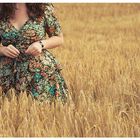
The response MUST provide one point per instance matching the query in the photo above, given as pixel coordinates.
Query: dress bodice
(33, 29)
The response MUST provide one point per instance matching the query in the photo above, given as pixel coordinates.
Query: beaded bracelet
(41, 44)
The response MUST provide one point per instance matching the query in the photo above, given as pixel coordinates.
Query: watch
(41, 44)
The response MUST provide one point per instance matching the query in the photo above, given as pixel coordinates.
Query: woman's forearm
(53, 42)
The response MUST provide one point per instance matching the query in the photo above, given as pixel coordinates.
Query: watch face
(41, 44)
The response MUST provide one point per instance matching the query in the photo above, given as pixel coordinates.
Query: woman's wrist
(43, 43)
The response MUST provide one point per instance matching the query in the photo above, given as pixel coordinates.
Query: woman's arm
(53, 42)
(52, 29)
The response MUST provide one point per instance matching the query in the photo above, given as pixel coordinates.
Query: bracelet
(41, 44)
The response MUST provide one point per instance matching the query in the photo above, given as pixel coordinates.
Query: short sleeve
(52, 25)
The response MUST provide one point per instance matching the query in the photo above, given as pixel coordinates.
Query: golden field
(101, 65)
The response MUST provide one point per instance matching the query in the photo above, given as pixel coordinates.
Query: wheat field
(101, 65)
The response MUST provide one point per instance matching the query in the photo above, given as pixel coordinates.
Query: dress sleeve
(52, 25)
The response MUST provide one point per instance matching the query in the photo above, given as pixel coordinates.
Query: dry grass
(101, 61)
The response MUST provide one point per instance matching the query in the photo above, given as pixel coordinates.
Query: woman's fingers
(35, 53)
(12, 55)
(13, 50)
(33, 49)
(29, 50)
(16, 50)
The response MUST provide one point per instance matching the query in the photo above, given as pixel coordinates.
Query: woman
(25, 62)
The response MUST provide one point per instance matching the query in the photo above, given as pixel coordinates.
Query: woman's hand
(9, 51)
(34, 49)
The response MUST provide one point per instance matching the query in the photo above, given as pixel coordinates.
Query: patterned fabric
(38, 75)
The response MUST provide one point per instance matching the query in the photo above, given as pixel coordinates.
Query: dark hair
(33, 9)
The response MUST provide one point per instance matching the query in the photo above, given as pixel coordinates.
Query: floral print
(39, 75)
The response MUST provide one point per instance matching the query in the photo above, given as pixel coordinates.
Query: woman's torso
(32, 31)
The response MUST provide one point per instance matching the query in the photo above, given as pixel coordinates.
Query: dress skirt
(39, 76)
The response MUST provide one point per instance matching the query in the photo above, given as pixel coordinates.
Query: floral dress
(39, 75)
